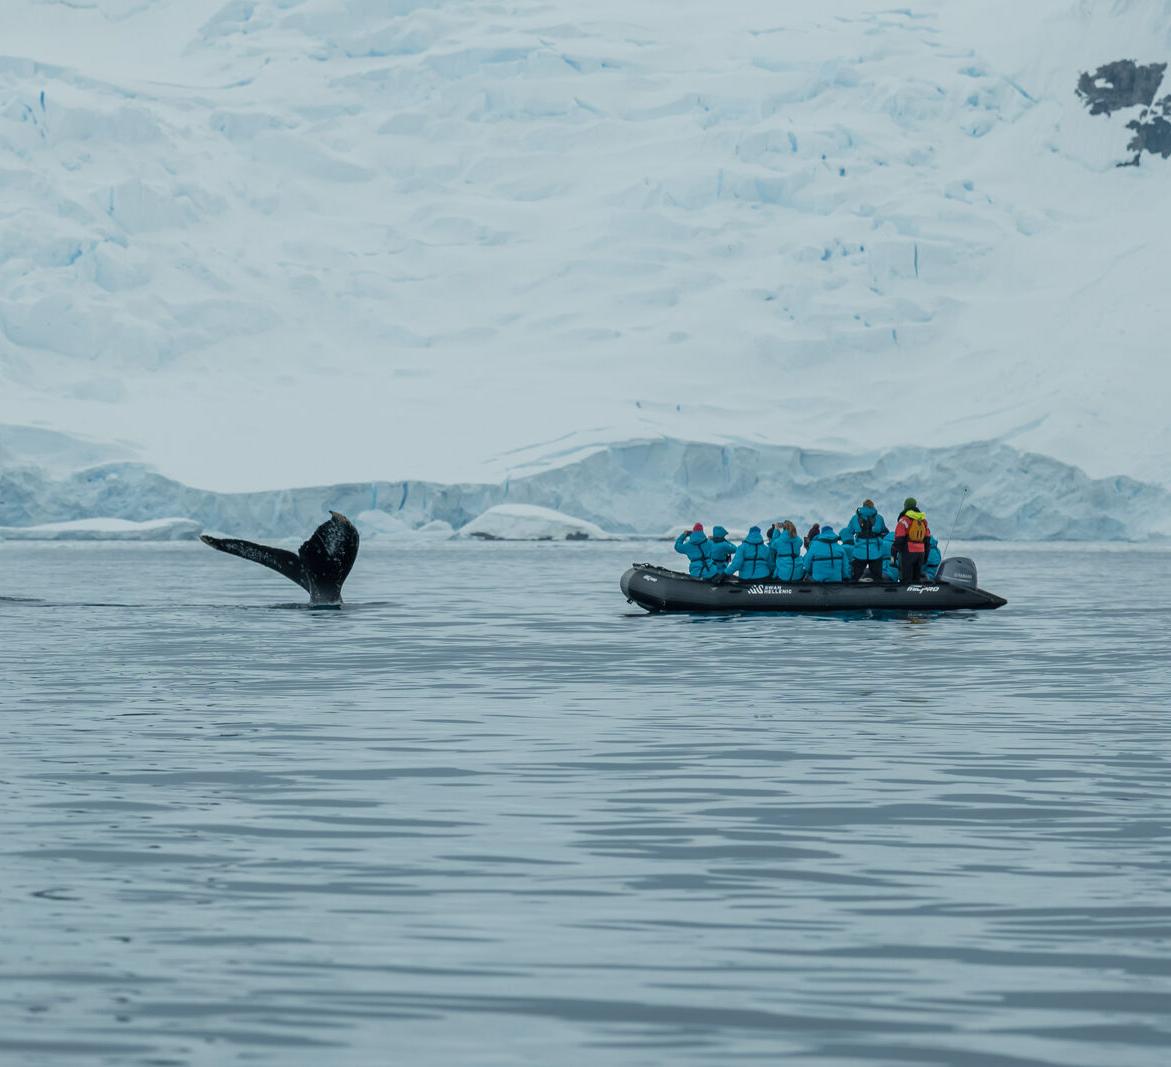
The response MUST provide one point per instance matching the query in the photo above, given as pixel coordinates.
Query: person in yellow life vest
(909, 551)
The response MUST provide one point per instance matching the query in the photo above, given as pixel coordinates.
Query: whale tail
(320, 565)
(327, 558)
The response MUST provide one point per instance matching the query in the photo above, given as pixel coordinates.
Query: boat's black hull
(659, 589)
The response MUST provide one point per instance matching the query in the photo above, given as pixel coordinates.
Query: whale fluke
(319, 566)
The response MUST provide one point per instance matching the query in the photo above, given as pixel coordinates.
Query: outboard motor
(957, 570)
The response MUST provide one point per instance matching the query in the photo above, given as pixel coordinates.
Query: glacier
(645, 487)
(446, 243)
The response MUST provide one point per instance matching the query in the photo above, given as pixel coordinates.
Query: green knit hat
(910, 504)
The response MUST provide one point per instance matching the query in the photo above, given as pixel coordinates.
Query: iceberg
(382, 526)
(528, 522)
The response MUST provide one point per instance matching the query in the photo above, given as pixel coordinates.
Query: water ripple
(514, 822)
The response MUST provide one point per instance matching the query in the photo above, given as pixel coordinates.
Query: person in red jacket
(909, 551)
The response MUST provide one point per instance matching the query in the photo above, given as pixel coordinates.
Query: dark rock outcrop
(1120, 84)
(1125, 84)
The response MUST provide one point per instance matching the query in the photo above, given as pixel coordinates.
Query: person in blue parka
(722, 549)
(826, 560)
(786, 545)
(753, 559)
(863, 534)
(934, 559)
(890, 569)
(697, 548)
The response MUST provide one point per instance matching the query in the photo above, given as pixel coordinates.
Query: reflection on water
(490, 814)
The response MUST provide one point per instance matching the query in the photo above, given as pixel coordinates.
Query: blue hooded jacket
(865, 547)
(698, 549)
(826, 560)
(890, 570)
(786, 549)
(722, 549)
(934, 559)
(753, 559)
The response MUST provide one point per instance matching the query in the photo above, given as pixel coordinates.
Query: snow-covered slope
(53, 452)
(647, 487)
(278, 242)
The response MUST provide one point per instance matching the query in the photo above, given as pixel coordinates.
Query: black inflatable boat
(659, 589)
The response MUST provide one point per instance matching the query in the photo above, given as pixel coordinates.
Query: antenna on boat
(963, 497)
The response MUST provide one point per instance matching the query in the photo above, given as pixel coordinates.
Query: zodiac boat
(660, 589)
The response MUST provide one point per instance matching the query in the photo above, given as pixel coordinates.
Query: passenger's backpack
(917, 530)
(865, 525)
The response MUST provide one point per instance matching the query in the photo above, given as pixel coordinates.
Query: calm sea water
(489, 814)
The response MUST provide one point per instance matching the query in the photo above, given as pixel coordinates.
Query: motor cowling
(957, 570)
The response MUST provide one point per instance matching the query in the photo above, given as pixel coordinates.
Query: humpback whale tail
(319, 566)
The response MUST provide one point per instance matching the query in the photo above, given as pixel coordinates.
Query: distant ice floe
(527, 522)
(105, 530)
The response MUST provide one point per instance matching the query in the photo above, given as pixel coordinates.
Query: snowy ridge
(290, 241)
(55, 453)
(647, 487)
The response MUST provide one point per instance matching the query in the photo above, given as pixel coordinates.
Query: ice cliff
(647, 487)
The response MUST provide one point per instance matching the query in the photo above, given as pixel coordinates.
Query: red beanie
(697, 527)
